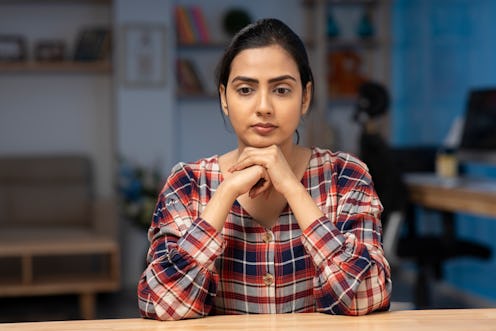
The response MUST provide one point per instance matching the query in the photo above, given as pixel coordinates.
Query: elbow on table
(173, 311)
(356, 311)
(359, 305)
(164, 305)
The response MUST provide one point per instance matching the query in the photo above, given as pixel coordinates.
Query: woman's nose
(265, 105)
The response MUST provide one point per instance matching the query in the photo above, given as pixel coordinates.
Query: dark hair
(262, 33)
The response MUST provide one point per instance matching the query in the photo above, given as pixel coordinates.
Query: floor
(123, 304)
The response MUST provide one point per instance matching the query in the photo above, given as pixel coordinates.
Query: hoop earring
(297, 137)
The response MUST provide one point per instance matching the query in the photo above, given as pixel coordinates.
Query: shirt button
(268, 279)
(267, 237)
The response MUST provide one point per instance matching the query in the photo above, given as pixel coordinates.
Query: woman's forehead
(268, 60)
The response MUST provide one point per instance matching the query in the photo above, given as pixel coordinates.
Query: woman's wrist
(219, 205)
(291, 186)
(303, 206)
(294, 192)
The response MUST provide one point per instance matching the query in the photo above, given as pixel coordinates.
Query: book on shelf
(200, 24)
(191, 26)
(93, 44)
(188, 80)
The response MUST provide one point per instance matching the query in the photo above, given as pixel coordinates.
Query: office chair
(401, 241)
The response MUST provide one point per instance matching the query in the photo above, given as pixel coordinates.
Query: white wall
(146, 115)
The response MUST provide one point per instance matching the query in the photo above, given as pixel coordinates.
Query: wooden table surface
(417, 320)
(461, 194)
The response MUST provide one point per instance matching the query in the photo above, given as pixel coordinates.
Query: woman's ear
(307, 98)
(223, 100)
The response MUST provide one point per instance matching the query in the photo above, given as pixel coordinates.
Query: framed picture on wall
(143, 55)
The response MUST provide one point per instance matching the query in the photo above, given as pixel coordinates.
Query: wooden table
(460, 194)
(415, 320)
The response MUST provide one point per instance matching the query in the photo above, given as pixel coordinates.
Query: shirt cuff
(203, 242)
(323, 240)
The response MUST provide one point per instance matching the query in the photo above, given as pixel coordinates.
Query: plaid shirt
(335, 266)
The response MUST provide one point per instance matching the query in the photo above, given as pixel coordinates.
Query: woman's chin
(262, 142)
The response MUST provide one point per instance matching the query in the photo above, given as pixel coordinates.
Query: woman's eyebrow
(253, 80)
(281, 78)
(244, 79)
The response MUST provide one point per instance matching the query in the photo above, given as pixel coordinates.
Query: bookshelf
(197, 54)
(201, 60)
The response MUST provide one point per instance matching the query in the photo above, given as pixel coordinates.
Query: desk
(464, 195)
(448, 196)
(415, 320)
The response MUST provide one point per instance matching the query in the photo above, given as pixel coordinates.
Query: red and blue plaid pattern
(335, 266)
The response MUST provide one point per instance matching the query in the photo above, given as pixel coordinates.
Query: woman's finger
(252, 156)
(247, 162)
(262, 187)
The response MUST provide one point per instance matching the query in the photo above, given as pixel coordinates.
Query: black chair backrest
(386, 175)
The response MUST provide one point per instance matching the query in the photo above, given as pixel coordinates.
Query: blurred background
(100, 98)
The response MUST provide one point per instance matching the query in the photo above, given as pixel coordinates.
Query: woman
(270, 227)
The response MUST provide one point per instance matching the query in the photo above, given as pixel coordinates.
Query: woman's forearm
(218, 207)
(302, 205)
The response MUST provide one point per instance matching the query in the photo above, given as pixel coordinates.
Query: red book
(184, 27)
(200, 24)
(187, 77)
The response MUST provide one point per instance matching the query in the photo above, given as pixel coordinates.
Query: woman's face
(264, 99)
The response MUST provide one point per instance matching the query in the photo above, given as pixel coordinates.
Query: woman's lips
(264, 128)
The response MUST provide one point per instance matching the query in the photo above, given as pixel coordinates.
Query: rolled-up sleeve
(179, 281)
(353, 277)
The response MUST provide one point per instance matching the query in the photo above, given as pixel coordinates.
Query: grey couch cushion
(45, 191)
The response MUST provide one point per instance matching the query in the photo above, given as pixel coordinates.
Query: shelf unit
(373, 52)
(97, 67)
(196, 53)
(198, 48)
(65, 66)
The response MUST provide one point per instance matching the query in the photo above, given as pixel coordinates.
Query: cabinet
(343, 56)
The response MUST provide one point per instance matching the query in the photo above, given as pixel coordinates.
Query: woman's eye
(282, 90)
(244, 90)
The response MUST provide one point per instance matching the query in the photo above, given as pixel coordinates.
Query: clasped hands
(260, 170)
